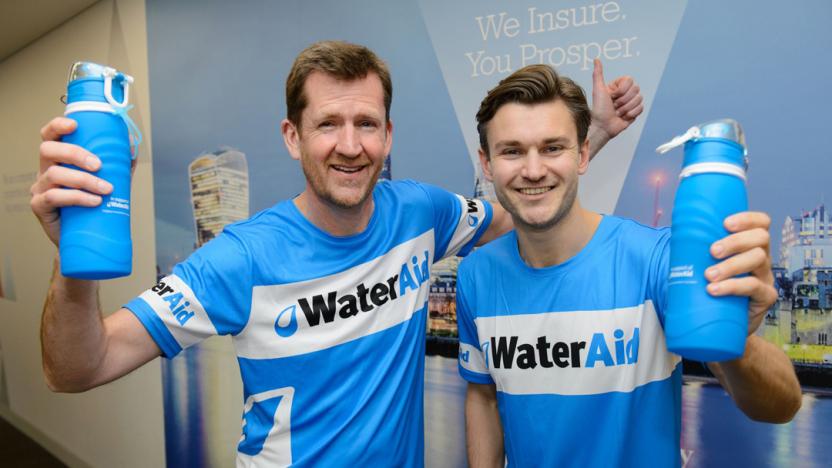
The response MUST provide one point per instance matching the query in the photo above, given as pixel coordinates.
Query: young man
(560, 321)
(324, 295)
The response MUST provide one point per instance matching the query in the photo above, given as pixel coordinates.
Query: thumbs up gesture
(615, 105)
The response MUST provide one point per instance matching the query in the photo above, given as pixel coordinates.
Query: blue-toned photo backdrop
(217, 73)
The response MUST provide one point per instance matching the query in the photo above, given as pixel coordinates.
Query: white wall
(120, 424)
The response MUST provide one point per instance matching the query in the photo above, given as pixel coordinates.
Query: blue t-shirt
(329, 331)
(577, 350)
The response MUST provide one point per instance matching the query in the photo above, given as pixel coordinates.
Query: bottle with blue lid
(95, 242)
(712, 186)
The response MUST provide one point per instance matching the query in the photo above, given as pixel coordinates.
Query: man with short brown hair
(561, 320)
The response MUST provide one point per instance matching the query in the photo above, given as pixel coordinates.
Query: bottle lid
(726, 129)
(87, 70)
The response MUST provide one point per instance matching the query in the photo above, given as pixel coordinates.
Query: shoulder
(497, 253)
(634, 234)
(274, 224)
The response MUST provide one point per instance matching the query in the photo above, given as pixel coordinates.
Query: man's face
(343, 138)
(535, 162)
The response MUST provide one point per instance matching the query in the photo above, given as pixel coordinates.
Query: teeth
(535, 191)
(347, 169)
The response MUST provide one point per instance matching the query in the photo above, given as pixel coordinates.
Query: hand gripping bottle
(697, 325)
(95, 242)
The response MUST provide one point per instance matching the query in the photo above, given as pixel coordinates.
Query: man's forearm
(762, 383)
(72, 335)
(483, 430)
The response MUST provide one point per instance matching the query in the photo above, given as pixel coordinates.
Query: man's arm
(614, 107)
(80, 349)
(762, 382)
(483, 430)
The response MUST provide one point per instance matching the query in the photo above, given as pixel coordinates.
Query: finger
(747, 220)
(626, 96)
(47, 202)
(630, 116)
(56, 128)
(620, 86)
(747, 286)
(626, 108)
(54, 152)
(60, 176)
(598, 77)
(740, 242)
(755, 260)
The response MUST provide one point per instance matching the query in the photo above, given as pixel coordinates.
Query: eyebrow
(512, 143)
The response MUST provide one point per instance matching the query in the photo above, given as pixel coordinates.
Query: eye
(553, 149)
(326, 124)
(368, 124)
(510, 152)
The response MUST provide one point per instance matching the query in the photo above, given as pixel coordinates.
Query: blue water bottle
(95, 242)
(699, 326)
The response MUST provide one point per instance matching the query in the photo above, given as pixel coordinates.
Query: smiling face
(534, 161)
(342, 141)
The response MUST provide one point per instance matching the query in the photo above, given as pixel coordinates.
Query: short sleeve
(458, 221)
(208, 294)
(472, 361)
(659, 273)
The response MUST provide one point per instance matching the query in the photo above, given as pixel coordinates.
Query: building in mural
(386, 170)
(442, 299)
(801, 320)
(219, 191)
(219, 183)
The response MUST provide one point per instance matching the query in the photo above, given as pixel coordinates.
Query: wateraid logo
(286, 324)
(472, 208)
(507, 353)
(327, 307)
(465, 356)
(174, 298)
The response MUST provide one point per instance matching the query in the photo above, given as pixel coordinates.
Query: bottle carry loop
(692, 133)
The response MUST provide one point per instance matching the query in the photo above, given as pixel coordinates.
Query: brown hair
(534, 84)
(339, 59)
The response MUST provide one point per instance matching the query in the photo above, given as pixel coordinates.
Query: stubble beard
(319, 186)
(565, 207)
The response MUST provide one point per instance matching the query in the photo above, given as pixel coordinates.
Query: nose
(349, 142)
(533, 167)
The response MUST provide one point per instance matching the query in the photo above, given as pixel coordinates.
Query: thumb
(598, 85)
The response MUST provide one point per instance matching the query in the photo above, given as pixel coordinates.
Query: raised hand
(615, 105)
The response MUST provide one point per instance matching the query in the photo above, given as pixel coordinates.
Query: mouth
(535, 190)
(347, 169)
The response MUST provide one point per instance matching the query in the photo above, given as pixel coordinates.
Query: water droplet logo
(472, 220)
(286, 323)
(484, 347)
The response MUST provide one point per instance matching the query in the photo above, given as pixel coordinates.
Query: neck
(335, 220)
(557, 244)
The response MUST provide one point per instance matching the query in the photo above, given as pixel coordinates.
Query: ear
(291, 138)
(583, 157)
(388, 137)
(485, 162)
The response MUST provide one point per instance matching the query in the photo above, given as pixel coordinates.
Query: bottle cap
(81, 70)
(726, 129)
